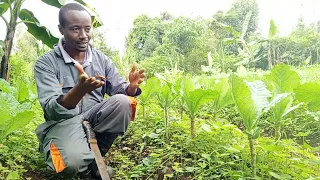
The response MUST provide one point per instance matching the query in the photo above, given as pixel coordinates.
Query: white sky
(118, 15)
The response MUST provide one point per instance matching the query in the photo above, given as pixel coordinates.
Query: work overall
(62, 138)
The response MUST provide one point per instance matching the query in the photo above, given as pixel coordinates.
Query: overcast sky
(118, 15)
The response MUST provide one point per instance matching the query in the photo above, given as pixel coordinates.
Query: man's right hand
(86, 83)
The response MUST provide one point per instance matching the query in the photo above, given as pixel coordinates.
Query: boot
(95, 171)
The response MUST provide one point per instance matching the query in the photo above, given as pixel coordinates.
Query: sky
(118, 15)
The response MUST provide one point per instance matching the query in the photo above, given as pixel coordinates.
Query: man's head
(75, 26)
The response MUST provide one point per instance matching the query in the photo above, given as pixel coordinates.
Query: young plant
(165, 97)
(282, 80)
(250, 99)
(149, 88)
(221, 87)
(14, 115)
(194, 99)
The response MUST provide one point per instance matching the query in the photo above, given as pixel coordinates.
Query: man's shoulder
(101, 55)
(48, 55)
(46, 58)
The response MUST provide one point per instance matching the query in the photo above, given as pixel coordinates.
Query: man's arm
(85, 85)
(55, 104)
(50, 91)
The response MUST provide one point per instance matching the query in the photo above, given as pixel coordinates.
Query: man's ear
(60, 29)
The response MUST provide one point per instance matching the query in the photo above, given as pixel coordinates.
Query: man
(68, 96)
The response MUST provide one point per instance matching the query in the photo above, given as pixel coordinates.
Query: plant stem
(277, 133)
(252, 143)
(144, 111)
(166, 117)
(193, 128)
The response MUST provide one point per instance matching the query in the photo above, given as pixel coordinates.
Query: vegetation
(220, 101)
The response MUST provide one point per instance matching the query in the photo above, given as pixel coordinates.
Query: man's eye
(75, 29)
(88, 29)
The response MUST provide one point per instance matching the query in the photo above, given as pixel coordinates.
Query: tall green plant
(282, 80)
(250, 99)
(149, 88)
(165, 98)
(194, 99)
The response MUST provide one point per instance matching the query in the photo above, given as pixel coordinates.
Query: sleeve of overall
(116, 84)
(49, 90)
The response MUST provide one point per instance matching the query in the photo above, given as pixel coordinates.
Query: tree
(38, 31)
(145, 36)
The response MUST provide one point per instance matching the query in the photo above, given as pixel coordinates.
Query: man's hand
(135, 78)
(86, 83)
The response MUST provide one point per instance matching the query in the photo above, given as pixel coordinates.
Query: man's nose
(83, 34)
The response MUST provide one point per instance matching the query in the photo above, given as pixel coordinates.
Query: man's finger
(141, 71)
(134, 67)
(142, 75)
(79, 67)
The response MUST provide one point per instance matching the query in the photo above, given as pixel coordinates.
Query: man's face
(77, 30)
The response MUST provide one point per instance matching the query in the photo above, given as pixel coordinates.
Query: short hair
(69, 7)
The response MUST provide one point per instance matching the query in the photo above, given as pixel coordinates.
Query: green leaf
(96, 21)
(4, 6)
(283, 79)
(250, 98)
(223, 97)
(149, 88)
(165, 96)
(22, 92)
(275, 175)
(13, 175)
(4, 110)
(38, 31)
(195, 99)
(273, 29)
(19, 120)
(245, 25)
(5, 87)
(187, 85)
(310, 94)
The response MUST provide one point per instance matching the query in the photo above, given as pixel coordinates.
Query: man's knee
(122, 101)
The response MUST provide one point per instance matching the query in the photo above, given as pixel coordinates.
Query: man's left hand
(136, 78)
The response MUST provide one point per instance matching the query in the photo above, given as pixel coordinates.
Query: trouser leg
(66, 148)
(65, 145)
(109, 119)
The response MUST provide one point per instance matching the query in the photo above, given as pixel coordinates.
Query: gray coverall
(62, 138)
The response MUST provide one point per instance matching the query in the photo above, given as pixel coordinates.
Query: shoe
(95, 171)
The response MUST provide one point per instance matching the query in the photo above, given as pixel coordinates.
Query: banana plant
(149, 89)
(194, 99)
(38, 31)
(282, 80)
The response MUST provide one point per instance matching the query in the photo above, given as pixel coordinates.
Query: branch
(5, 21)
